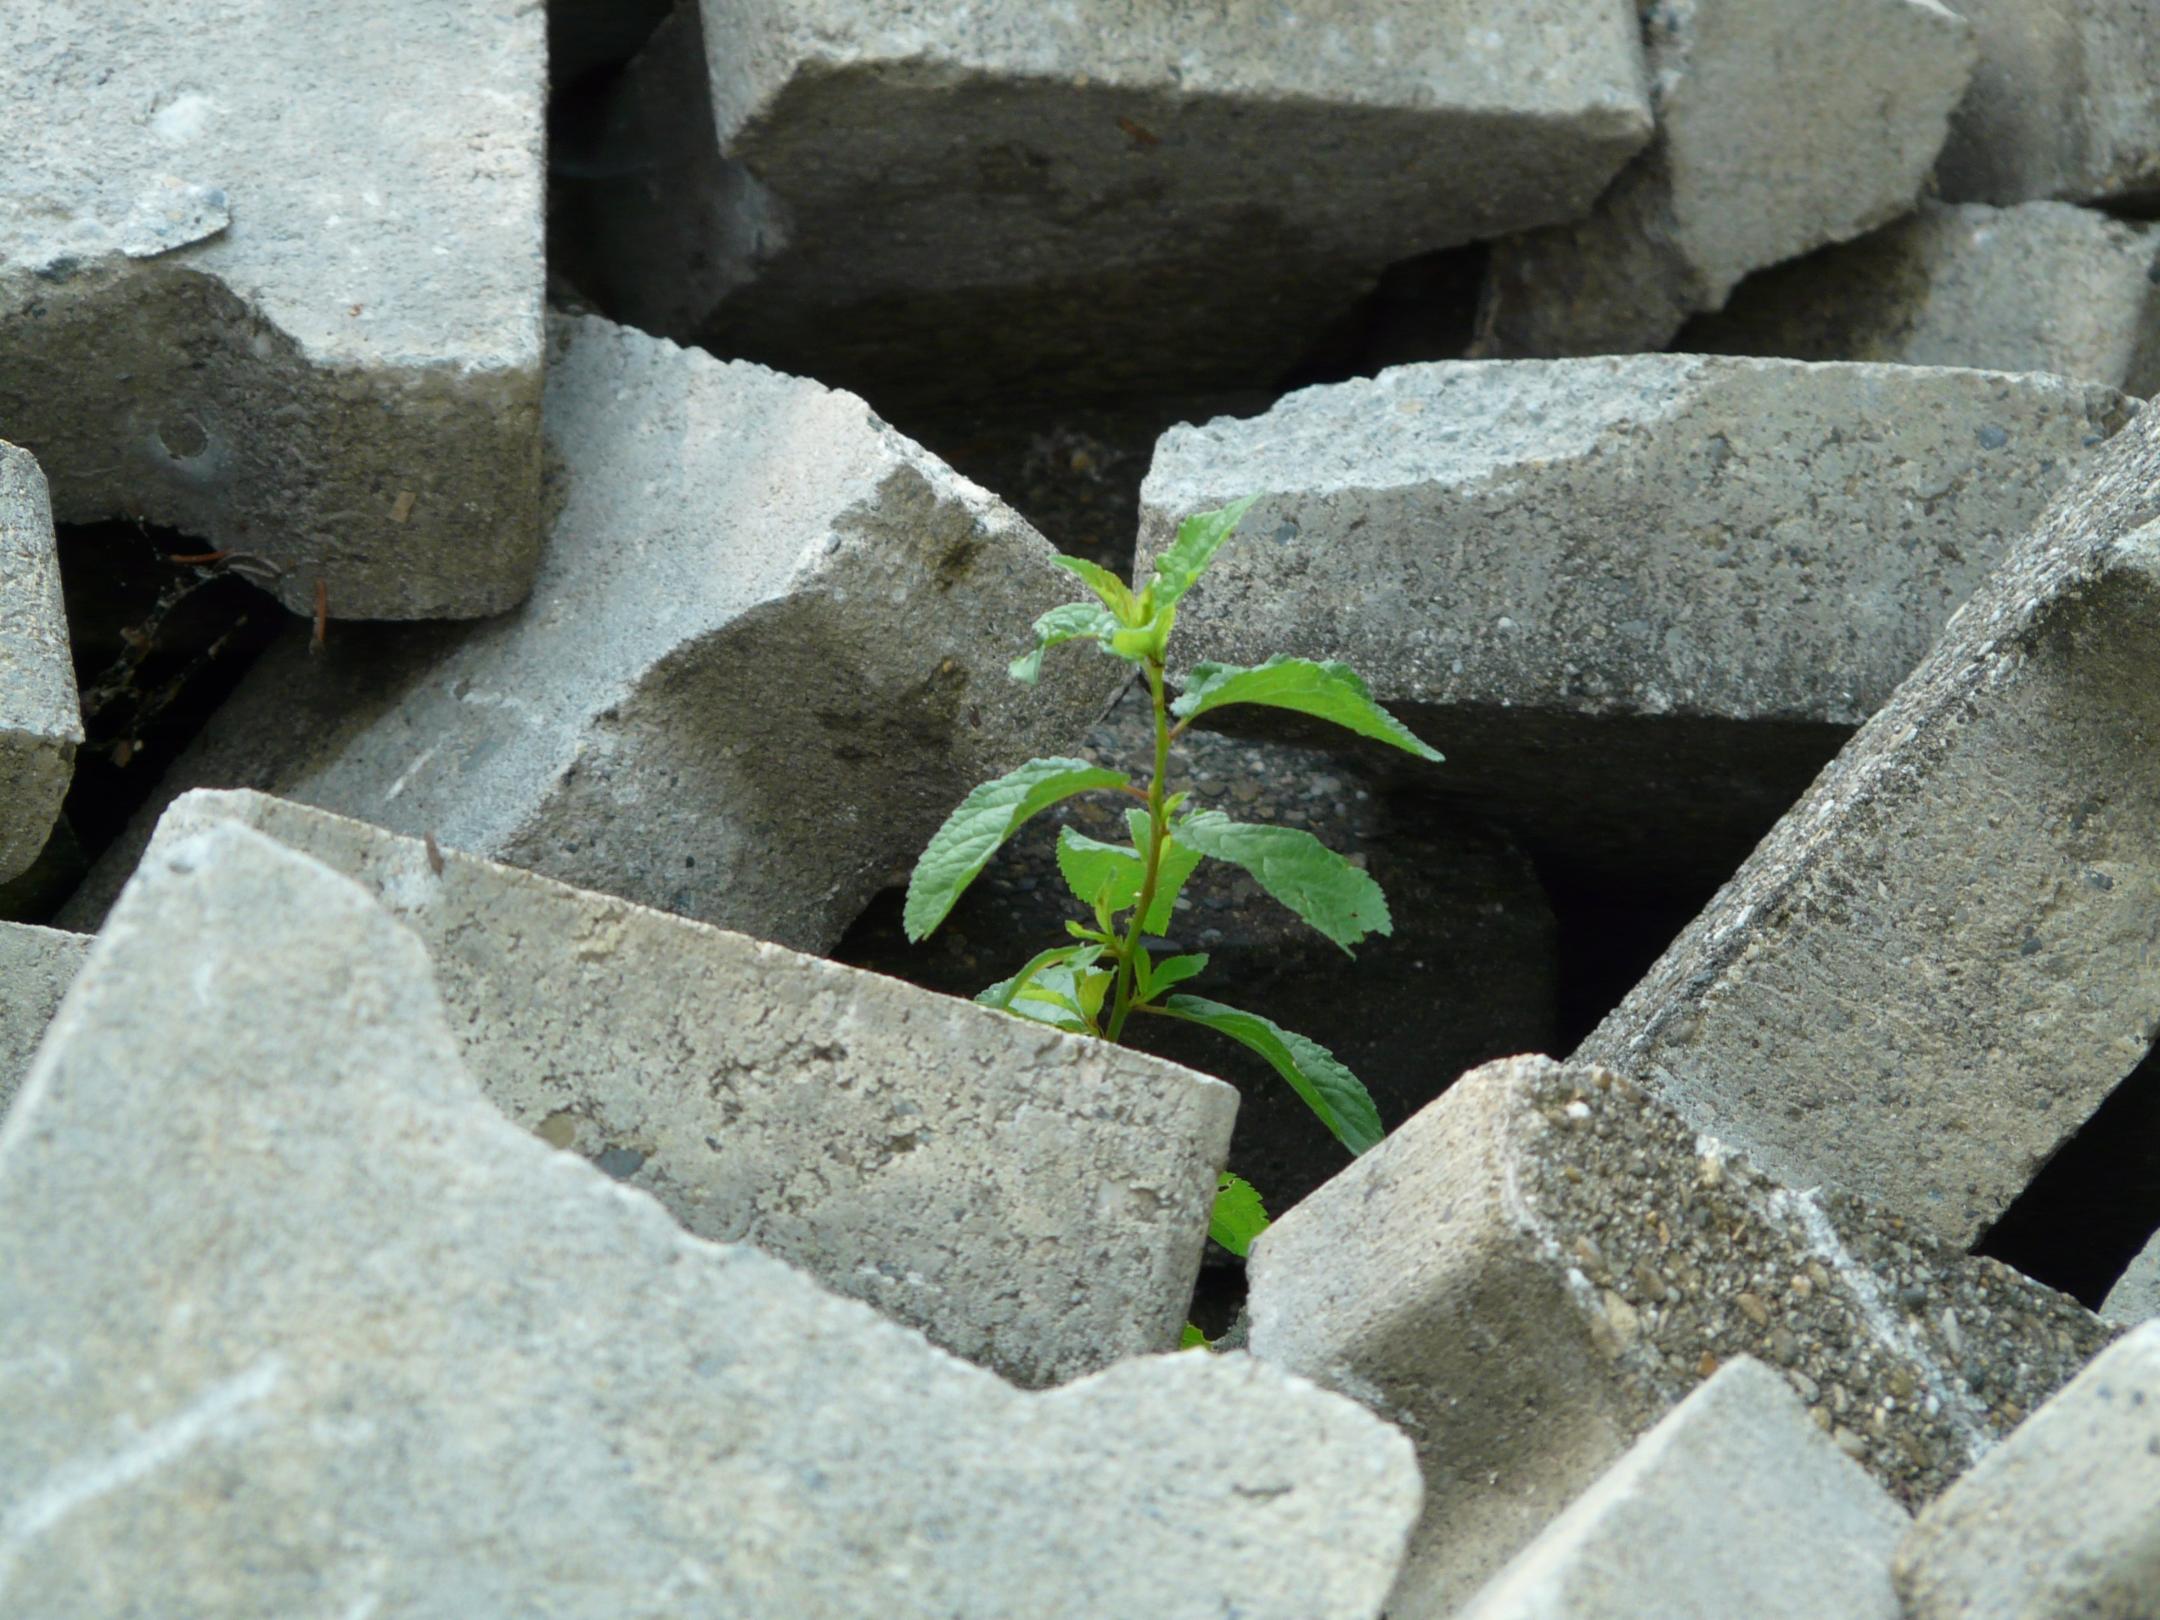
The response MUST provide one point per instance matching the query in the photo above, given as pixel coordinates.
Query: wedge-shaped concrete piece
(1094, 196)
(1735, 1504)
(272, 276)
(1942, 959)
(40, 715)
(1780, 128)
(1637, 602)
(2062, 104)
(2063, 1518)
(1536, 1268)
(765, 657)
(1030, 1201)
(2044, 286)
(2135, 1297)
(36, 967)
(376, 1350)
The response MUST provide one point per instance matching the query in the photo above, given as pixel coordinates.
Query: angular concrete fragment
(272, 276)
(1943, 958)
(1030, 1201)
(2043, 286)
(1092, 196)
(40, 714)
(2063, 1518)
(36, 967)
(1780, 128)
(2065, 103)
(379, 1351)
(1735, 1504)
(765, 657)
(2135, 1297)
(1637, 602)
(1528, 1275)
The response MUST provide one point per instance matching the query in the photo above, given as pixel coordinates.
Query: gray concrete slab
(40, 713)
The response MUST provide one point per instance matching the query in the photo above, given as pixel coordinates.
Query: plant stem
(1158, 834)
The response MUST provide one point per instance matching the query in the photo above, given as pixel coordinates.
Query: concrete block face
(1689, 575)
(40, 714)
(2135, 1297)
(1940, 961)
(2042, 286)
(36, 967)
(765, 657)
(1734, 1504)
(1030, 1201)
(1779, 128)
(1532, 1272)
(266, 280)
(2061, 104)
(2063, 1518)
(1043, 149)
(457, 1373)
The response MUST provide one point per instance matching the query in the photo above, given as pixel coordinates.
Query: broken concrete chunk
(2044, 286)
(914, 195)
(2063, 1518)
(2135, 1297)
(1735, 1504)
(765, 657)
(2063, 104)
(1030, 1201)
(40, 715)
(1941, 960)
(1780, 128)
(1637, 602)
(425, 1366)
(274, 278)
(36, 967)
(1533, 1271)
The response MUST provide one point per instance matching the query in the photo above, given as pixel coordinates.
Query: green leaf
(1337, 898)
(1173, 970)
(1115, 594)
(1187, 557)
(1072, 621)
(1238, 1216)
(1000, 995)
(1329, 1089)
(959, 850)
(1179, 862)
(1327, 691)
(1192, 1339)
(1110, 874)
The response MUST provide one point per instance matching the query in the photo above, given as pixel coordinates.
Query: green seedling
(1111, 970)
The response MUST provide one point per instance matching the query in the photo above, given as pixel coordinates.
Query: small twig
(321, 637)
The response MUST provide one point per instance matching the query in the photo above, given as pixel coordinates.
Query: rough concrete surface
(271, 274)
(1528, 1275)
(1636, 601)
(2043, 286)
(2063, 1518)
(1943, 958)
(391, 1355)
(1735, 1504)
(36, 967)
(1030, 1201)
(40, 717)
(1779, 128)
(2136, 1295)
(765, 657)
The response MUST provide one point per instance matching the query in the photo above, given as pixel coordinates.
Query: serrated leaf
(1192, 1339)
(1000, 995)
(1110, 873)
(1329, 1089)
(1187, 557)
(1337, 898)
(1179, 862)
(1114, 593)
(959, 850)
(1070, 621)
(1238, 1216)
(1174, 970)
(1325, 690)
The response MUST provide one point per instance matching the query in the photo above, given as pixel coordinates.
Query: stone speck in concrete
(40, 718)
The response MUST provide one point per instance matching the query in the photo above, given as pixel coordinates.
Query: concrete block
(272, 276)
(1735, 1504)
(2061, 105)
(40, 714)
(36, 967)
(1941, 960)
(765, 656)
(376, 1350)
(1637, 602)
(2063, 1518)
(1532, 1272)
(2135, 1297)
(1030, 1201)
(1779, 128)
(936, 199)
(2043, 286)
